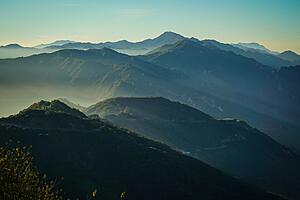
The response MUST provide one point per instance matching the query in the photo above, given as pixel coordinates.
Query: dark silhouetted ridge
(91, 154)
(230, 145)
(290, 56)
(12, 46)
(54, 106)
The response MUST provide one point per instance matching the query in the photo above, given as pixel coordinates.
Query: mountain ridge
(251, 50)
(290, 56)
(105, 158)
(218, 82)
(230, 145)
(255, 46)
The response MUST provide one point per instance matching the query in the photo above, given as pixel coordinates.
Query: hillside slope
(217, 82)
(236, 86)
(92, 154)
(229, 145)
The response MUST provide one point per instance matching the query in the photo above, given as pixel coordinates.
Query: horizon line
(140, 40)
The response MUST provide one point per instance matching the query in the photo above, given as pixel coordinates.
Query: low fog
(16, 98)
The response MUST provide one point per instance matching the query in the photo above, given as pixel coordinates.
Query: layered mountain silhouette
(146, 45)
(290, 56)
(239, 86)
(83, 75)
(92, 154)
(259, 89)
(12, 46)
(16, 50)
(225, 68)
(218, 82)
(250, 50)
(122, 46)
(55, 43)
(253, 46)
(89, 74)
(229, 145)
(263, 57)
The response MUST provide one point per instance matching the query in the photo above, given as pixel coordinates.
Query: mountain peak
(251, 44)
(170, 35)
(183, 44)
(147, 107)
(12, 46)
(55, 43)
(289, 55)
(46, 105)
(54, 106)
(289, 52)
(254, 46)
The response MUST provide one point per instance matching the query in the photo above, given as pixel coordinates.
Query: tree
(19, 180)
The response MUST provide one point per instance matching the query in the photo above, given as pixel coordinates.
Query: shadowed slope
(229, 145)
(113, 160)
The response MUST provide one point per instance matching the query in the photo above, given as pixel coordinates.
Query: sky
(273, 23)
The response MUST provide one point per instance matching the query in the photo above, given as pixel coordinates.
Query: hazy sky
(274, 23)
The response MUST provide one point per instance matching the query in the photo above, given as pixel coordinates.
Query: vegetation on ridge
(20, 180)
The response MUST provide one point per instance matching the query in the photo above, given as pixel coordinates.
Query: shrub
(19, 180)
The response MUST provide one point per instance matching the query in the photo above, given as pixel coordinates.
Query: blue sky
(274, 23)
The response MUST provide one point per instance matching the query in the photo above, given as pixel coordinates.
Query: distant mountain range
(250, 50)
(253, 46)
(263, 57)
(16, 50)
(123, 46)
(220, 83)
(253, 89)
(92, 154)
(217, 93)
(290, 55)
(229, 145)
(55, 43)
